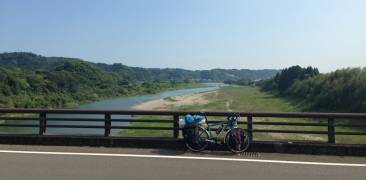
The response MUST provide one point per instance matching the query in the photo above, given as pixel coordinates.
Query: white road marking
(185, 157)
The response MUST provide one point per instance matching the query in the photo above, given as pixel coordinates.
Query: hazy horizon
(194, 35)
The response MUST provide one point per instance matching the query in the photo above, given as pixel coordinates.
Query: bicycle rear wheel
(233, 144)
(199, 141)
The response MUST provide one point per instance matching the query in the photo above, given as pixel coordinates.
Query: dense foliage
(241, 82)
(342, 91)
(71, 83)
(287, 77)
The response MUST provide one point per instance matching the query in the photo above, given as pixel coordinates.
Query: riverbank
(230, 98)
(120, 103)
(174, 102)
(243, 99)
(65, 99)
(224, 99)
(162, 88)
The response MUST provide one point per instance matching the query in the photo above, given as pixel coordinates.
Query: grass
(188, 85)
(148, 133)
(225, 99)
(250, 99)
(247, 99)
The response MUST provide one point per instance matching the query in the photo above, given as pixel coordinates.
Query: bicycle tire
(244, 145)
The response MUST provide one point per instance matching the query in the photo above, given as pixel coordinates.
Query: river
(122, 103)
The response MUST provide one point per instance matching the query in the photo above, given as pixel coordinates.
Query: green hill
(32, 61)
(30, 80)
(70, 83)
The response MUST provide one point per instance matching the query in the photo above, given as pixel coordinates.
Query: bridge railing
(327, 120)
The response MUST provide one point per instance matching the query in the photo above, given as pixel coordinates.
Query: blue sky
(191, 34)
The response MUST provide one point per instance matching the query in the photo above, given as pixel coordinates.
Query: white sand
(175, 101)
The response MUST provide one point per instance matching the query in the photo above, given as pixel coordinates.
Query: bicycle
(203, 136)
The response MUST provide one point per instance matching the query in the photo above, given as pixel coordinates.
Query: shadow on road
(211, 151)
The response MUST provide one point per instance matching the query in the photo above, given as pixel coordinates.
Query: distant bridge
(328, 121)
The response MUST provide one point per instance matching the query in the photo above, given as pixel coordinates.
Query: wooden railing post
(331, 131)
(107, 124)
(250, 128)
(42, 123)
(176, 125)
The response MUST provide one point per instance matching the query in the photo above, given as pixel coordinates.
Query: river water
(122, 103)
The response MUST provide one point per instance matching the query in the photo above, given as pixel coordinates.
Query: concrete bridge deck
(89, 163)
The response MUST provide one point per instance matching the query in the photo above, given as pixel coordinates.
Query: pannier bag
(191, 125)
(190, 133)
(237, 137)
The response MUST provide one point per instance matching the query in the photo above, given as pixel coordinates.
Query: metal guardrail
(330, 120)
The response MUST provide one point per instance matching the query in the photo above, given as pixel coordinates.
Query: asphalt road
(23, 162)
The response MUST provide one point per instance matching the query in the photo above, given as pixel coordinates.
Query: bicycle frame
(225, 129)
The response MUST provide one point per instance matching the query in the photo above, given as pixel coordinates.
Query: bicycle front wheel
(199, 141)
(237, 144)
